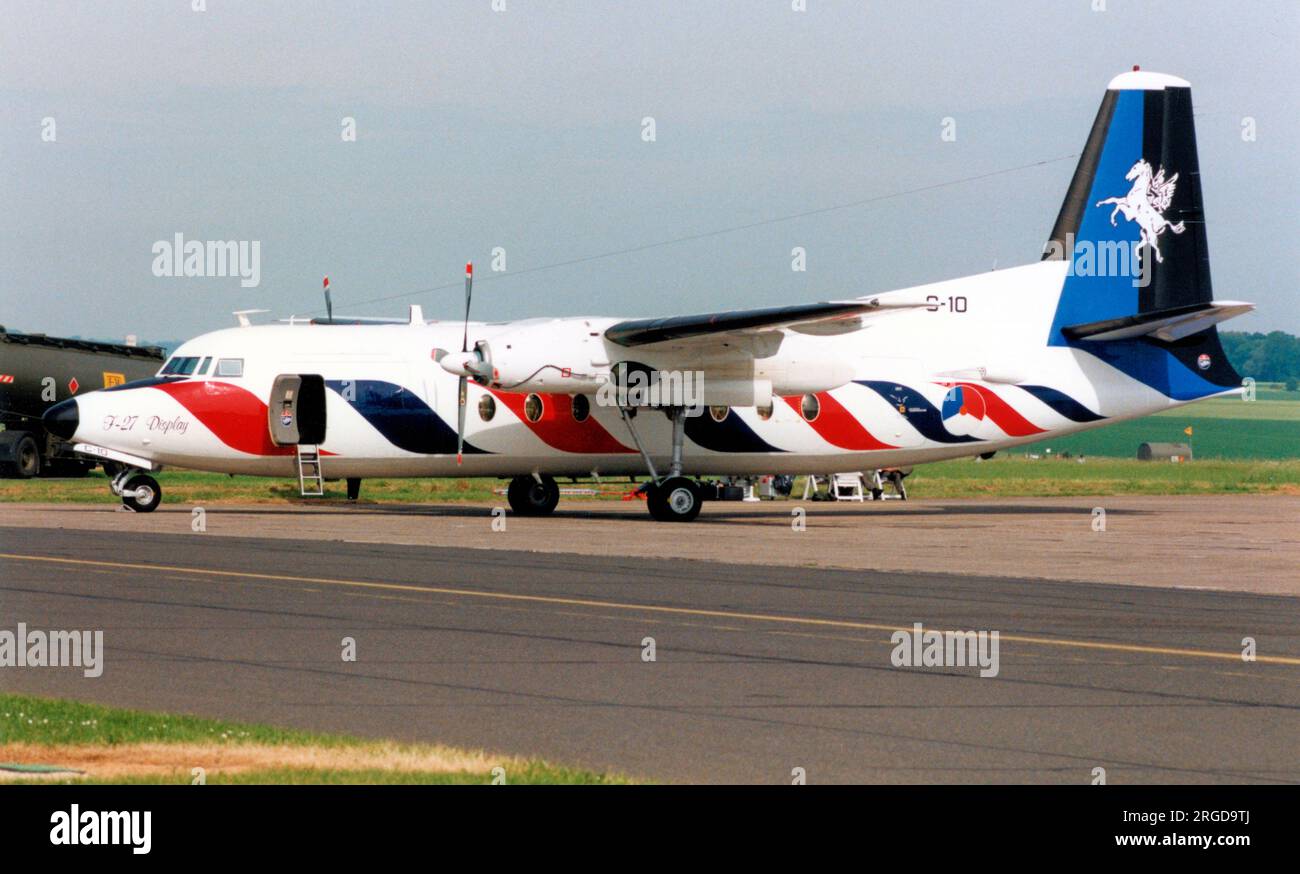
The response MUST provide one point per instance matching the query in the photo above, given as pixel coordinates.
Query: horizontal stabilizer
(1168, 325)
(818, 318)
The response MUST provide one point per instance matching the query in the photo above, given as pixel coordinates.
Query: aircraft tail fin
(1133, 227)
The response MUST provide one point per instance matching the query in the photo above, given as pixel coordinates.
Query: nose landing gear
(139, 492)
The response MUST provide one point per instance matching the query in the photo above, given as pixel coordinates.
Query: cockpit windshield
(180, 366)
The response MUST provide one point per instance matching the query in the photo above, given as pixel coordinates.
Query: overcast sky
(523, 129)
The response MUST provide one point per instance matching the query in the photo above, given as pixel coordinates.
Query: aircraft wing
(830, 317)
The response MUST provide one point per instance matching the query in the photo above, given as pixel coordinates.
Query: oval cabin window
(581, 408)
(533, 408)
(810, 407)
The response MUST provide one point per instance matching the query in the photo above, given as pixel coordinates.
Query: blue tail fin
(1133, 227)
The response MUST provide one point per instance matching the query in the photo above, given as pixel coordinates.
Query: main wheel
(676, 499)
(528, 497)
(142, 493)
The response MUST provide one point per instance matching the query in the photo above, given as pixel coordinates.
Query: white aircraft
(1117, 321)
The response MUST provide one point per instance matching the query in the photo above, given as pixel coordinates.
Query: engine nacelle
(571, 356)
(552, 356)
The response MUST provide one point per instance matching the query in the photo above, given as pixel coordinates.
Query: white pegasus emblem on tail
(1146, 200)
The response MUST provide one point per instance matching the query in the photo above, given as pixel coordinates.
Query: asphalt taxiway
(761, 666)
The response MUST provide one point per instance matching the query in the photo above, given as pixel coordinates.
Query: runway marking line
(645, 608)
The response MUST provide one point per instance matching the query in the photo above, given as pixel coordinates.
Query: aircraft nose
(62, 419)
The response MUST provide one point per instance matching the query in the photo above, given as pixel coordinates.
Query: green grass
(1266, 428)
(1018, 476)
(1221, 437)
(536, 775)
(1280, 406)
(1227, 428)
(26, 719)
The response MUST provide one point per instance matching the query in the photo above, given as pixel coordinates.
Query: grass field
(1266, 428)
(112, 745)
(1018, 476)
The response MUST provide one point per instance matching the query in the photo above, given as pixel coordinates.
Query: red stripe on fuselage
(235, 415)
(837, 426)
(559, 430)
(1002, 413)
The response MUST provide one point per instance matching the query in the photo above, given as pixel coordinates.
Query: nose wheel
(140, 492)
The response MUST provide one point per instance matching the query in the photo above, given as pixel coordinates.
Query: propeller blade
(469, 287)
(463, 394)
(329, 304)
(460, 418)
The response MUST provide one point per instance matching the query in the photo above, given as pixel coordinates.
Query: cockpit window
(203, 368)
(230, 367)
(180, 366)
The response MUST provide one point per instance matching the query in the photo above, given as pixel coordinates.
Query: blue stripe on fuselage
(729, 435)
(1063, 403)
(400, 415)
(919, 413)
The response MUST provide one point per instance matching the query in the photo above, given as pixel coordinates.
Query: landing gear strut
(675, 498)
(139, 491)
(533, 496)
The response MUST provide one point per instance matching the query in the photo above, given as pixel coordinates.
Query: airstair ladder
(310, 481)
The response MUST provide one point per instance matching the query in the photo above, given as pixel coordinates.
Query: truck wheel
(27, 458)
(142, 494)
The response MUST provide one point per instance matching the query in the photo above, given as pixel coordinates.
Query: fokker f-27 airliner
(957, 368)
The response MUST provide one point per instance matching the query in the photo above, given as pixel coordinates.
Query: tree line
(1271, 357)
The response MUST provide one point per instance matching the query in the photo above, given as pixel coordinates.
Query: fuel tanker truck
(36, 372)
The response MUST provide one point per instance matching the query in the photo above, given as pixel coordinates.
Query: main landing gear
(533, 495)
(674, 498)
(139, 491)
